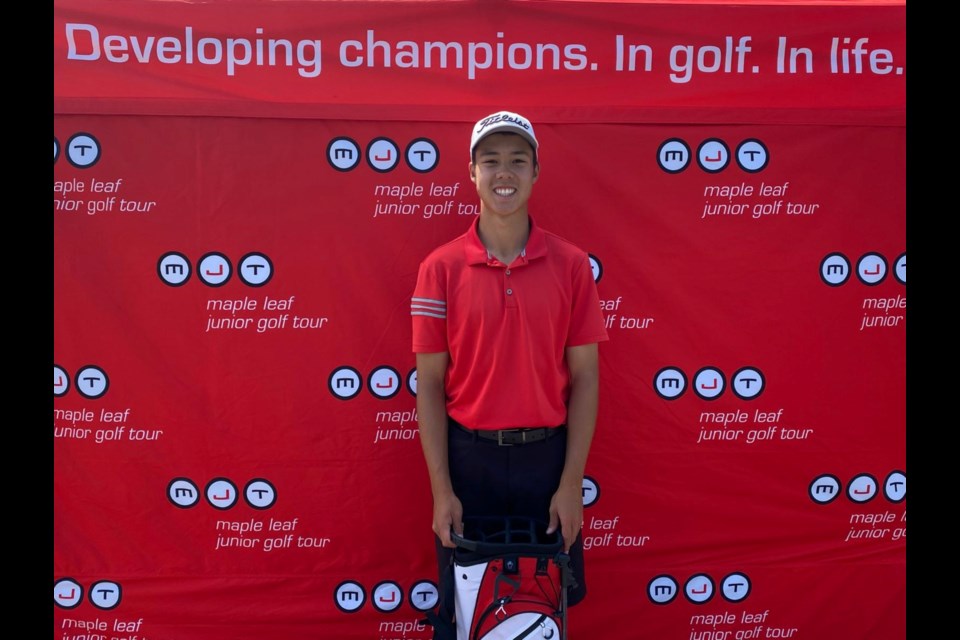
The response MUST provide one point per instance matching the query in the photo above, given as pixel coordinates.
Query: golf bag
(509, 581)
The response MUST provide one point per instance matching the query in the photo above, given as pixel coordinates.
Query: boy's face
(504, 172)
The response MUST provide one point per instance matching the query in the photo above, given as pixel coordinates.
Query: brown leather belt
(513, 437)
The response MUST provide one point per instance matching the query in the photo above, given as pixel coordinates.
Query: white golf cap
(503, 122)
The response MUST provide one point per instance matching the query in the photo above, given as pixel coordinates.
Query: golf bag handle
(508, 535)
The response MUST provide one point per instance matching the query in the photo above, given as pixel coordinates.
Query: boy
(506, 322)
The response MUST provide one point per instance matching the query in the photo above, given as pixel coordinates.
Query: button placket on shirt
(508, 288)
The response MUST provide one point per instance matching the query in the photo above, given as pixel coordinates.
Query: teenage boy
(506, 322)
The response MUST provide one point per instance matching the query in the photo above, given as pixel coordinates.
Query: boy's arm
(432, 416)
(566, 507)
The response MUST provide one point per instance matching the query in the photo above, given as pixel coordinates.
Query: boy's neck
(504, 238)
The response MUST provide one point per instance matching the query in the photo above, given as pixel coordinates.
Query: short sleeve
(428, 310)
(586, 317)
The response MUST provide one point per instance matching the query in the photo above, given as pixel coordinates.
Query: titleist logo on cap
(503, 122)
(502, 117)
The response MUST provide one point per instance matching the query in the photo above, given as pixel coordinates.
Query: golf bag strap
(444, 627)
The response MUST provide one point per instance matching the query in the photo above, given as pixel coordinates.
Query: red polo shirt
(506, 327)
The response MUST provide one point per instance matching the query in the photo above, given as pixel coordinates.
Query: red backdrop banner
(243, 192)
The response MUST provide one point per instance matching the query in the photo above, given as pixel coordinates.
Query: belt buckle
(500, 442)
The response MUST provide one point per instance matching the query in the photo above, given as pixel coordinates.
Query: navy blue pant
(491, 480)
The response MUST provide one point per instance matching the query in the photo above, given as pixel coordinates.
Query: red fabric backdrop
(236, 240)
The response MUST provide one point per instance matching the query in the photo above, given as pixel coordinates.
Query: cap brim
(507, 129)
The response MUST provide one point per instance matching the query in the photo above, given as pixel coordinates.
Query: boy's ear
(472, 168)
